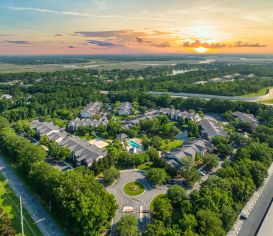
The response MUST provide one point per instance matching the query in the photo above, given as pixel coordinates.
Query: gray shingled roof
(82, 149)
(125, 106)
(190, 148)
(249, 118)
(87, 122)
(93, 108)
(211, 128)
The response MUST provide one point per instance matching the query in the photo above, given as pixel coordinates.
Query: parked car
(243, 216)
(171, 182)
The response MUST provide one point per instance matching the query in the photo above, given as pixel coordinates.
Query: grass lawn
(167, 146)
(128, 188)
(10, 203)
(153, 201)
(269, 102)
(260, 92)
(145, 166)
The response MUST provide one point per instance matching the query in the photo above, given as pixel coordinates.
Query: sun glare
(201, 49)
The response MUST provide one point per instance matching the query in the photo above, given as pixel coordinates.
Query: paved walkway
(255, 208)
(43, 220)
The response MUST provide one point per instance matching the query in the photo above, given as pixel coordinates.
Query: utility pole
(49, 207)
(22, 218)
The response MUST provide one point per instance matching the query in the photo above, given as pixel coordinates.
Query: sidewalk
(250, 204)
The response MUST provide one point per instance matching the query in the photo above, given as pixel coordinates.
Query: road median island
(133, 188)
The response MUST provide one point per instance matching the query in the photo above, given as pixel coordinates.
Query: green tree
(188, 162)
(156, 142)
(6, 228)
(187, 222)
(224, 149)
(153, 153)
(4, 122)
(127, 226)
(64, 153)
(176, 194)
(110, 175)
(157, 228)
(192, 175)
(209, 223)
(44, 140)
(54, 149)
(162, 210)
(113, 128)
(157, 176)
(193, 129)
(21, 126)
(211, 161)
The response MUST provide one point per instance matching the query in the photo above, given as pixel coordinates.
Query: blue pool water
(183, 135)
(134, 144)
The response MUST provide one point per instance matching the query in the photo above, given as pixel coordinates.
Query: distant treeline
(59, 59)
(150, 79)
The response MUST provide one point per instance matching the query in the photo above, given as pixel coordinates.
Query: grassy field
(268, 102)
(128, 189)
(10, 203)
(145, 166)
(170, 144)
(260, 92)
(93, 64)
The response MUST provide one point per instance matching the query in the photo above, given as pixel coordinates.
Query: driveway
(43, 220)
(138, 203)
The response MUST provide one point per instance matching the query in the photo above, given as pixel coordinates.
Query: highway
(251, 225)
(207, 96)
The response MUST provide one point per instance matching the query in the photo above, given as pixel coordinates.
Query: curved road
(43, 220)
(137, 202)
(207, 96)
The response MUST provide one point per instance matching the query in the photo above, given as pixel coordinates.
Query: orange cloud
(238, 44)
(197, 44)
(241, 44)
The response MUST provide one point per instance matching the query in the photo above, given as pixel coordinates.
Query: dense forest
(148, 79)
(66, 191)
(59, 96)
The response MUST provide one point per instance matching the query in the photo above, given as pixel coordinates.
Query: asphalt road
(136, 202)
(43, 220)
(251, 225)
(207, 96)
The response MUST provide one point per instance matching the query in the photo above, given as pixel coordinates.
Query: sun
(201, 49)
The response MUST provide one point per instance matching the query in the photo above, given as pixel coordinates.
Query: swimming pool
(183, 135)
(134, 144)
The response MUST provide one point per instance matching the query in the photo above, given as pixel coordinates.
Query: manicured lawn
(167, 146)
(10, 203)
(157, 197)
(260, 92)
(145, 166)
(128, 188)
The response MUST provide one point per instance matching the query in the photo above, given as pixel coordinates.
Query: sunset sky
(142, 26)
